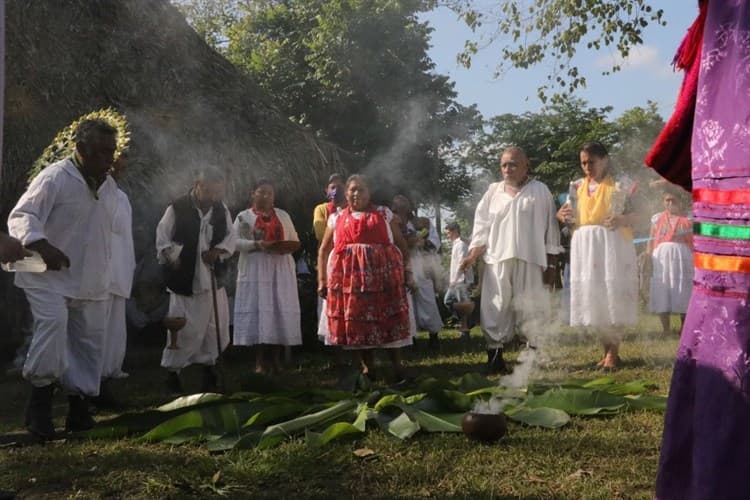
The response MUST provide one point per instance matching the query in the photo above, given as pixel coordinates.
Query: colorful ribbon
(722, 231)
(722, 263)
(733, 197)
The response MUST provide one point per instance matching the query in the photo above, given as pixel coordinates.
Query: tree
(531, 31)
(358, 73)
(552, 139)
(636, 129)
(212, 19)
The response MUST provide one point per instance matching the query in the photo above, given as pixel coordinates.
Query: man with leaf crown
(65, 216)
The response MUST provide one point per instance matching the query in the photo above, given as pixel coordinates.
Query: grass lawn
(607, 457)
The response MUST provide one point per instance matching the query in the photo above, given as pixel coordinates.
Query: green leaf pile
(249, 420)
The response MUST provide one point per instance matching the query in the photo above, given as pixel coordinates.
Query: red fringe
(670, 154)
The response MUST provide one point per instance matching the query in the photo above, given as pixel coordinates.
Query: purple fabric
(727, 214)
(706, 445)
(720, 246)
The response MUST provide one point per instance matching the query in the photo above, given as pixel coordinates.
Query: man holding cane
(193, 238)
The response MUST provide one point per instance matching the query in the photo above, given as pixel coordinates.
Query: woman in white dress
(671, 249)
(603, 270)
(266, 306)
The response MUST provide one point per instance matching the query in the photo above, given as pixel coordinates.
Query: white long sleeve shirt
(459, 251)
(59, 206)
(523, 227)
(164, 244)
(122, 266)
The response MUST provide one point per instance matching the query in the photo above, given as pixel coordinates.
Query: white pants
(426, 309)
(116, 339)
(512, 290)
(67, 343)
(196, 342)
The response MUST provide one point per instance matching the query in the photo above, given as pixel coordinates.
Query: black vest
(187, 232)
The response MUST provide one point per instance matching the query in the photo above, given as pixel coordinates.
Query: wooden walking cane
(219, 366)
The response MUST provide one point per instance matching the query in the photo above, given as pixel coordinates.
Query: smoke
(541, 330)
(385, 170)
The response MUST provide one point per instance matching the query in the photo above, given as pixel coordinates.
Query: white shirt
(245, 241)
(59, 206)
(523, 227)
(123, 254)
(433, 237)
(165, 246)
(459, 252)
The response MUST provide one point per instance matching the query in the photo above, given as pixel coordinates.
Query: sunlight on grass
(607, 457)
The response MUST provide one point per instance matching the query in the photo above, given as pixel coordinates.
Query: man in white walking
(517, 234)
(66, 216)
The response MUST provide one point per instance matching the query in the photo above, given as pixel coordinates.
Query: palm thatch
(185, 104)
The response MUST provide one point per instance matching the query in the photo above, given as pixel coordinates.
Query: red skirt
(366, 300)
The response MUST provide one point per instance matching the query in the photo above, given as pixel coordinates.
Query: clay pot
(485, 427)
(464, 308)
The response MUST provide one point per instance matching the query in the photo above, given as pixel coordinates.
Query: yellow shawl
(594, 208)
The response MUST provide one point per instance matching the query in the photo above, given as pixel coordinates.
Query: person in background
(266, 308)
(423, 242)
(65, 215)
(335, 201)
(193, 238)
(603, 267)
(365, 279)
(122, 269)
(671, 251)
(458, 281)
(516, 234)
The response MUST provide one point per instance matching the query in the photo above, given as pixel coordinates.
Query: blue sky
(647, 75)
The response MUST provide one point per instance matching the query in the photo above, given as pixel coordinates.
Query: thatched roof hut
(186, 105)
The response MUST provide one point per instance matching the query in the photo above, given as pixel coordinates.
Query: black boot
(106, 399)
(39, 413)
(433, 344)
(79, 418)
(495, 362)
(174, 386)
(210, 381)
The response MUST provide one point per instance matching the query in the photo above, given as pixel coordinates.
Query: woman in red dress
(363, 276)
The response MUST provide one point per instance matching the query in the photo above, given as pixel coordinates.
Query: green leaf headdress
(64, 144)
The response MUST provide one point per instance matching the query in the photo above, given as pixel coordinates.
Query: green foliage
(552, 138)
(358, 73)
(532, 31)
(64, 144)
(211, 19)
(264, 421)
